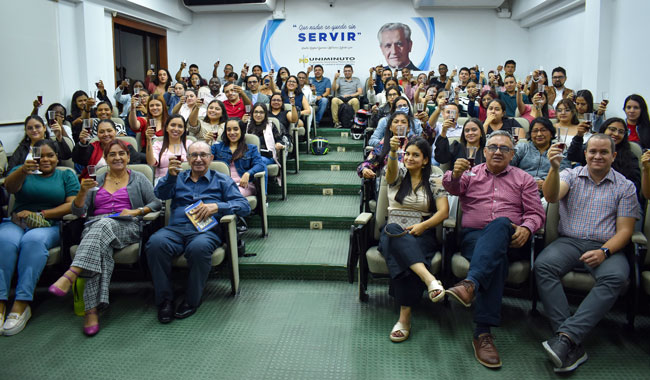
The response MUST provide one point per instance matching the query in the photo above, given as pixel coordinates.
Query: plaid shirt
(589, 210)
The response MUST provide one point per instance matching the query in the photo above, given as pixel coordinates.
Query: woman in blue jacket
(243, 159)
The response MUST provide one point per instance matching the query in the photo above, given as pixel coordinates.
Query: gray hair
(501, 133)
(395, 26)
(199, 143)
(601, 136)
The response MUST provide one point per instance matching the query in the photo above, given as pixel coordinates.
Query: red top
(236, 110)
(633, 136)
(143, 130)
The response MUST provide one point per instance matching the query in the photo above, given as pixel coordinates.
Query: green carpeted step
(332, 131)
(338, 142)
(314, 181)
(345, 160)
(334, 212)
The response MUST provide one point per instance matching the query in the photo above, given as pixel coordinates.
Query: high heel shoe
(94, 329)
(57, 291)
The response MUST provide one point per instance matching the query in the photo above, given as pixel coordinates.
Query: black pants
(402, 252)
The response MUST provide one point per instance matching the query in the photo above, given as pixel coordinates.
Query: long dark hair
(476, 121)
(165, 144)
(589, 99)
(190, 81)
(51, 144)
(387, 136)
(625, 162)
(278, 80)
(405, 187)
(503, 107)
(164, 114)
(643, 124)
(26, 139)
(156, 81)
(253, 126)
(75, 111)
(241, 143)
(224, 114)
(53, 106)
(297, 91)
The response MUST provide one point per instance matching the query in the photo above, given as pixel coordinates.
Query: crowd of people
(501, 175)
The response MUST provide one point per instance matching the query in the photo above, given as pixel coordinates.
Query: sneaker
(15, 322)
(574, 359)
(557, 349)
(338, 125)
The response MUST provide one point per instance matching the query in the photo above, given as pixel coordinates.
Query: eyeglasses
(504, 149)
(536, 131)
(34, 128)
(197, 155)
(558, 78)
(616, 130)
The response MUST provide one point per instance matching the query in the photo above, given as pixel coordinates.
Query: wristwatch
(141, 210)
(606, 251)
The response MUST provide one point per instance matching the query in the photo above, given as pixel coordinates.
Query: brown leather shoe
(463, 292)
(486, 352)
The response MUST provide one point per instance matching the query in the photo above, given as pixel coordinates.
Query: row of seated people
(501, 211)
(451, 140)
(113, 205)
(158, 144)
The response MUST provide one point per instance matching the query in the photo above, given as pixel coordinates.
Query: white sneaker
(15, 322)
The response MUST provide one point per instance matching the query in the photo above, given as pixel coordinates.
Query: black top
(22, 150)
(508, 124)
(450, 153)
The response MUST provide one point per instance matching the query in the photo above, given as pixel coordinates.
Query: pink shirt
(528, 113)
(512, 194)
(161, 170)
(107, 203)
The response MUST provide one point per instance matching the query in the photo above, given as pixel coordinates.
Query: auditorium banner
(392, 43)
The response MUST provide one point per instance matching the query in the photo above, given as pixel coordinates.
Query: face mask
(403, 109)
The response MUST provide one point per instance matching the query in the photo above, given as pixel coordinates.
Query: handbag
(403, 218)
(36, 220)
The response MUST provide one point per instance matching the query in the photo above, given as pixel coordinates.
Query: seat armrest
(259, 175)
(363, 218)
(227, 219)
(151, 216)
(449, 223)
(639, 238)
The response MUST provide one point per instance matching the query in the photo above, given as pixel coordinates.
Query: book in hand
(201, 225)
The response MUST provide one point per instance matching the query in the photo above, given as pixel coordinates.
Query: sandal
(402, 329)
(436, 286)
(58, 292)
(94, 329)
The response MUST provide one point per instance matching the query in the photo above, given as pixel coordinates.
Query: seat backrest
(462, 120)
(253, 139)
(68, 163)
(523, 122)
(551, 224)
(12, 198)
(214, 165)
(117, 119)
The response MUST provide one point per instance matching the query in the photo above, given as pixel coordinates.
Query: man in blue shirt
(220, 196)
(323, 89)
(510, 95)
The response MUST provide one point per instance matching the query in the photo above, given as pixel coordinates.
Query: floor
(288, 329)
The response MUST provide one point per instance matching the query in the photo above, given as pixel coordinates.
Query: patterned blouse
(415, 200)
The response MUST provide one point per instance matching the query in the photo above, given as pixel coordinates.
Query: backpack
(346, 115)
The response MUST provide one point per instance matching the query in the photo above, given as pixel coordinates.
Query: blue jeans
(29, 247)
(489, 256)
(172, 241)
(322, 107)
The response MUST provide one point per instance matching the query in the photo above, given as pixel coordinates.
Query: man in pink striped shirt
(501, 210)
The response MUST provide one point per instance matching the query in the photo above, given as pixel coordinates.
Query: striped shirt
(485, 197)
(589, 210)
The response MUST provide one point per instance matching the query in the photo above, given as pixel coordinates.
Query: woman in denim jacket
(243, 159)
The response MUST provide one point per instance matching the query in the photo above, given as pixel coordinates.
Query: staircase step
(345, 160)
(334, 212)
(332, 131)
(314, 181)
(337, 142)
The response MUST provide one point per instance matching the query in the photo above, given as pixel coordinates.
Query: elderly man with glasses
(501, 210)
(220, 196)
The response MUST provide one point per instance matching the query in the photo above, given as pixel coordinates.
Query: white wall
(558, 43)
(629, 51)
